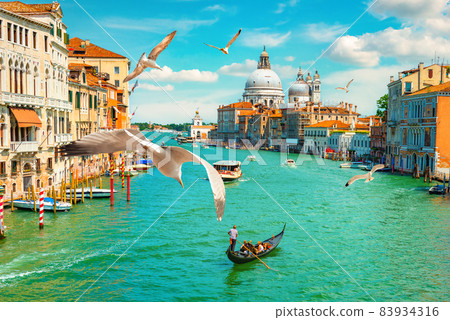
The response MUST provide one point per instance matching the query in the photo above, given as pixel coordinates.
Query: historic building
(228, 120)
(34, 108)
(302, 91)
(112, 67)
(425, 130)
(200, 131)
(408, 82)
(263, 85)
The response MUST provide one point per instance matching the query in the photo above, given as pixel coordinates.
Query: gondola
(238, 257)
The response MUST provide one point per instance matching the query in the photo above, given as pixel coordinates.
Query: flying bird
(225, 50)
(367, 176)
(346, 87)
(168, 160)
(150, 61)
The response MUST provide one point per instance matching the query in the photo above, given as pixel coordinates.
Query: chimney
(350, 106)
(87, 42)
(346, 106)
(356, 109)
(392, 79)
(83, 44)
(420, 75)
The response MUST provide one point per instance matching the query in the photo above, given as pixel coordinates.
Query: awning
(26, 117)
(117, 110)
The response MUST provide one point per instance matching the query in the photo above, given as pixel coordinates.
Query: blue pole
(444, 182)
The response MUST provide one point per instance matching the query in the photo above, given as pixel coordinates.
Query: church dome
(299, 88)
(263, 78)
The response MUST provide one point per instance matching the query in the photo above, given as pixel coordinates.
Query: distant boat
(195, 145)
(229, 170)
(96, 193)
(128, 170)
(205, 146)
(251, 158)
(141, 167)
(438, 189)
(353, 165)
(290, 162)
(48, 205)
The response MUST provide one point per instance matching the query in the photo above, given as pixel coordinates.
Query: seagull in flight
(150, 61)
(168, 160)
(225, 50)
(346, 87)
(367, 176)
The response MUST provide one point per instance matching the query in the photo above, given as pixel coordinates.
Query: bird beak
(181, 182)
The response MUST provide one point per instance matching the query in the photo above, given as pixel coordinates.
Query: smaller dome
(308, 77)
(299, 89)
(316, 75)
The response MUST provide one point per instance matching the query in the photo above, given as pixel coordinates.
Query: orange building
(425, 130)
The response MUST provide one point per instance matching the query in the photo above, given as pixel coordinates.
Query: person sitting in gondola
(260, 248)
(251, 247)
(244, 248)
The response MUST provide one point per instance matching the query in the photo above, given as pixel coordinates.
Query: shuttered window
(90, 101)
(78, 100)
(95, 101)
(70, 96)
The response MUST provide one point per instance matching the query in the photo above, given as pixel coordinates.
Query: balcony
(58, 103)
(63, 138)
(21, 99)
(24, 146)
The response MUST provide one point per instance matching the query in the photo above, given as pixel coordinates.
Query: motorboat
(48, 204)
(353, 165)
(228, 170)
(438, 189)
(251, 158)
(290, 162)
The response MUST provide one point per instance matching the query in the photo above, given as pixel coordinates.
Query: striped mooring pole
(123, 172)
(41, 209)
(2, 190)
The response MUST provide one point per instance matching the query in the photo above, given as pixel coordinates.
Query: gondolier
(233, 235)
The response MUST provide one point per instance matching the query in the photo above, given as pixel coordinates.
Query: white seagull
(367, 176)
(168, 160)
(150, 61)
(346, 87)
(225, 50)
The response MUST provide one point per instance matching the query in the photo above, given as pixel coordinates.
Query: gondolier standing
(233, 235)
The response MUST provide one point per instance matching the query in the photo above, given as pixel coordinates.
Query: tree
(382, 105)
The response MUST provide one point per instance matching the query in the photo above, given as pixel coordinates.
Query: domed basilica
(264, 86)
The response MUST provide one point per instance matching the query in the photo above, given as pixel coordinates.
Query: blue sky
(392, 36)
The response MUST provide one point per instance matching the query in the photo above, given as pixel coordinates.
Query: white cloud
(258, 38)
(407, 44)
(408, 9)
(282, 6)
(289, 58)
(152, 87)
(155, 25)
(193, 75)
(285, 72)
(322, 32)
(239, 69)
(216, 7)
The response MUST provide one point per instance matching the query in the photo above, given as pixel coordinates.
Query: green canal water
(390, 235)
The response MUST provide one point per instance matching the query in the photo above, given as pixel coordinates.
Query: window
(116, 70)
(14, 166)
(26, 37)
(34, 40)
(38, 165)
(95, 101)
(1, 29)
(116, 83)
(45, 43)
(70, 96)
(90, 101)
(77, 105)
(52, 30)
(430, 73)
(84, 77)
(8, 30)
(15, 33)
(20, 34)
(427, 137)
(2, 168)
(408, 87)
(49, 163)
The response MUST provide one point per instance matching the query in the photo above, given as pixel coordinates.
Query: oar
(256, 256)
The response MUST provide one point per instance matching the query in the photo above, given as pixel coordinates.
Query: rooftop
(84, 48)
(444, 87)
(238, 105)
(20, 7)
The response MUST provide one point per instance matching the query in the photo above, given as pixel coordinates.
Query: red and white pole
(128, 187)
(41, 209)
(1, 214)
(123, 172)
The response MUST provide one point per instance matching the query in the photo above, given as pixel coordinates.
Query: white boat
(205, 146)
(48, 205)
(128, 170)
(96, 193)
(229, 170)
(141, 167)
(352, 165)
(251, 158)
(195, 145)
(290, 162)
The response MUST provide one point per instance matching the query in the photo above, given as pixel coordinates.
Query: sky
(342, 40)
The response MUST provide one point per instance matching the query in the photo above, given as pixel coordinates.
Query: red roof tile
(20, 7)
(89, 50)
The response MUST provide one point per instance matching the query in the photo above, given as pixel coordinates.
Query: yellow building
(110, 66)
(34, 111)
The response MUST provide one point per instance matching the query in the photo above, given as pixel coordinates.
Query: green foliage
(382, 105)
(142, 125)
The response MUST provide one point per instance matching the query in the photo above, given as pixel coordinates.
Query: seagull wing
(349, 83)
(161, 46)
(212, 46)
(377, 167)
(137, 71)
(168, 160)
(357, 177)
(234, 38)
